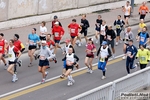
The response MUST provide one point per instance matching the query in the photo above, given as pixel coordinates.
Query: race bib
(42, 58)
(143, 12)
(102, 59)
(142, 39)
(69, 63)
(108, 37)
(102, 32)
(72, 30)
(143, 58)
(10, 55)
(1, 47)
(118, 26)
(128, 53)
(56, 34)
(31, 42)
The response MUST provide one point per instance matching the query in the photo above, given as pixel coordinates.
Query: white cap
(43, 42)
(56, 23)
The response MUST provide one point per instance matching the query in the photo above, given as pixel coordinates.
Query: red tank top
(2, 45)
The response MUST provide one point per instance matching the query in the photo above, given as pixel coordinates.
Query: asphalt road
(58, 89)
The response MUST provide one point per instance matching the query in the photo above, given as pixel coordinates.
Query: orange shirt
(143, 10)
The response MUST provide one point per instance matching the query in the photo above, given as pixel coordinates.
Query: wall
(18, 13)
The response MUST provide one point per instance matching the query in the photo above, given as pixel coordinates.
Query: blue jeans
(102, 65)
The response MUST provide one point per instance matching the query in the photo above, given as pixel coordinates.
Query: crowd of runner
(49, 43)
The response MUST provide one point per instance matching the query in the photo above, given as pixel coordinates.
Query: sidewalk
(109, 16)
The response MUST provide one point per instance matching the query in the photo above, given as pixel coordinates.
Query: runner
(45, 56)
(12, 58)
(65, 51)
(103, 30)
(85, 25)
(43, 31)
(55, 20)
(3, 45)
(73, 30)
(131, 52)
(128, 35)
(119, 23)
(143, 37)
(127, 11)
(57, 33)
(19, 45)
(33, 40)
(141, 25)
(70, 63)
(90, 50)
(143, 10)
(144, 57)
(105, 53)
(98, 27)
(110, 37)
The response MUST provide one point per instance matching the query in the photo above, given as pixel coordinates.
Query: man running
(144, 57)
(131, 52)
(12, 58)
(85, 25)
(90, 50)
(33, 40)
(128, 35)
(119, 23)
(98, 27)
(73, 30)
(45, 56)
(56, 20)
(141, 25)
(57, 33)
(110, 37)
(70, 63)
(43, 31)
(19, 45)
(143, 37)
(127, 12)
(143, 10)
(3, 45)
(103, 31)
(105, 53)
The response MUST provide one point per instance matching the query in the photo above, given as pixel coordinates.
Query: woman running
(90, 50)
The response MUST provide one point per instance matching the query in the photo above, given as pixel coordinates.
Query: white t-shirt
(127, 10)
(43, 30)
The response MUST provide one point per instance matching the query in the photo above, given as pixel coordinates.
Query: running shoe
(69, 83)
(35, 56)
(62, 76)
(103, 77)
(91, 71)
(124, 57)
(88, 70)
(5, 66)
(116, 43)
(30, 65)
(72, 80)
(79, 44)
(14, 78)
(46, 73)
(43, 81)
(96, 41)
(20, 63)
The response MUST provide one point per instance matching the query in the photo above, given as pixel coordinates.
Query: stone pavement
(109, 16)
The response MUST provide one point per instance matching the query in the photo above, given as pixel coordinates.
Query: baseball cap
(104, 43)
(67, 40)
(56, 23)
(55, 17)
(43, 42)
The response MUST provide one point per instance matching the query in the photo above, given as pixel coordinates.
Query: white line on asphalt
(54, 78)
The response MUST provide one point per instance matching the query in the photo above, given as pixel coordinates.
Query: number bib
(143, 58)
(108, 37)
(10, 55)
(143, 12)
(72, 30)
(118, 26)
(128, 53)
(142, 39)
(102, 60)
(56, 34)
(1, 48)
(31, 42)
(42, 58)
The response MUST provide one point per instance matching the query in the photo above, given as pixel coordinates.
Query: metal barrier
(112, 90)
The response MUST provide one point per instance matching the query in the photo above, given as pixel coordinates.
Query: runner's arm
(115, 23)
(76, 57)
(137, 55)
(22, 47)
(98, 51)
(109, 53)
(64, 58)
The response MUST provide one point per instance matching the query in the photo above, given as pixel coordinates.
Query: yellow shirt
(141, 25)
(143, 55)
